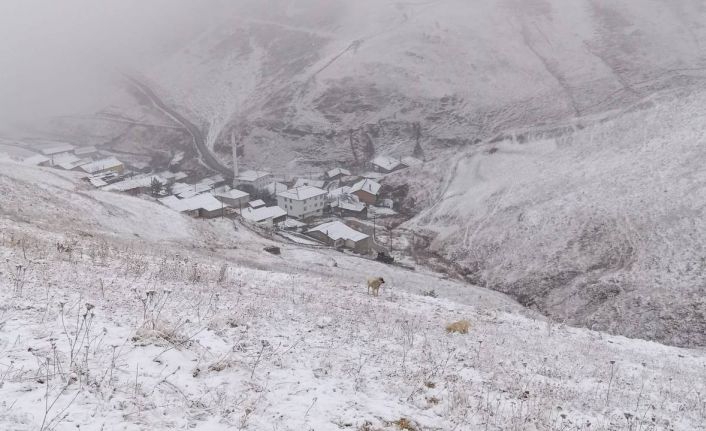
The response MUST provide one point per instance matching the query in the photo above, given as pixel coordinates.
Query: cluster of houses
(320, 209)
(68, 157)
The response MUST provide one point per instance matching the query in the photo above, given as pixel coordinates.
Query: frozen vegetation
(602, 227)
(113, 320)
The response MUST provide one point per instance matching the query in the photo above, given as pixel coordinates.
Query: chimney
(235, 158)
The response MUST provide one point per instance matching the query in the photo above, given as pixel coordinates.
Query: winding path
(205, 156)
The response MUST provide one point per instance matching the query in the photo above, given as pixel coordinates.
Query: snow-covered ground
(118, 315)
(602, 228)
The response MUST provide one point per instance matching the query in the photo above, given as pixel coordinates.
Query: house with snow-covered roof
(337, 174)
(184, 191)
(349, 208)
(233, 197)
(264, 216)
(303, 202)
(386, 164)
(301, 182)
(72, 164)
(259, 203)
(366, 191)
(257, 180)
(110, 164)
(338, 234)
(136, 185)
(203, 205)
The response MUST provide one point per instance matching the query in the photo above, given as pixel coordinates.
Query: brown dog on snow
(374, 284)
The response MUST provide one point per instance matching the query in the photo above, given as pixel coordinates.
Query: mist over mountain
(464, 70)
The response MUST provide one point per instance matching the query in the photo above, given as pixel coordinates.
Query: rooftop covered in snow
(338, 230)
(204, 201)
(387, 163)
(134, 183)
(233, 194)
(263, 213)
(251, 176)
(338, 171)
(302, 193)
(301, 182)
(366, 185)
(103, 164)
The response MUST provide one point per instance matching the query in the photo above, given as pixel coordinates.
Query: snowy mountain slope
(177, 333)
(602, 228)
(297, 75)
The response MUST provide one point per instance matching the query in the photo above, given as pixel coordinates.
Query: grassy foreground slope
(203, 330)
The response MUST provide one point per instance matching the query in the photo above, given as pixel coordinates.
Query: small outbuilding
(257, 204)
(257, 180)
(386, 164)
(337, 174)
(338, 234)
(366, 191)
(233, 197)
(265, 216)
(110, 164)
(203, 205)
(136, 186)
(349, 208)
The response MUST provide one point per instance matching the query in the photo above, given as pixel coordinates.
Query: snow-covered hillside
(144, 319)
(305, 78)
(602, 228)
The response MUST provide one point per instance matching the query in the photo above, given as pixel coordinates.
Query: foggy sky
(61, 57)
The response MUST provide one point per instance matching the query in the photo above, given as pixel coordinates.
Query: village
(340, 208)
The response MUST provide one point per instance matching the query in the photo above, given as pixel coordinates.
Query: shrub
(462, 327)
(405, 424)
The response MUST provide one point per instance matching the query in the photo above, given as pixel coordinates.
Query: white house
(258, 180)
(303, 202)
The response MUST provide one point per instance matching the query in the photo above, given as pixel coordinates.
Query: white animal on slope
(374, 283)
